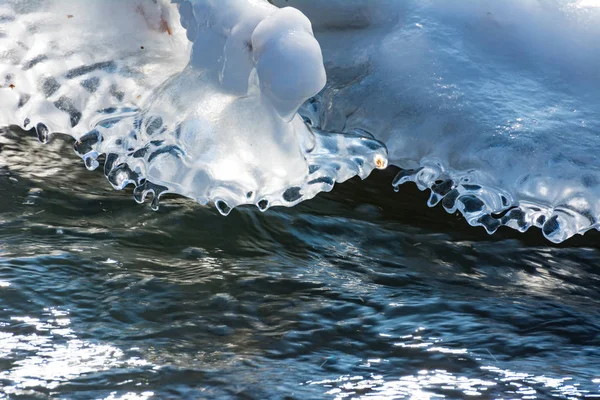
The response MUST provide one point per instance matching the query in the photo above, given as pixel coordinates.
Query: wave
(492, 106)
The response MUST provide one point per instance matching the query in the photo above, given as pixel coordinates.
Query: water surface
(361, 292)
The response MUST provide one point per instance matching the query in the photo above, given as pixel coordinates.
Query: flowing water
(359, 293)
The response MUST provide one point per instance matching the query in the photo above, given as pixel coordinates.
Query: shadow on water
(359, 292)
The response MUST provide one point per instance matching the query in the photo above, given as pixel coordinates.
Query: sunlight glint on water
(54, 355)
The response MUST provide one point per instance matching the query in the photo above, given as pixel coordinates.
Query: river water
(359, 293)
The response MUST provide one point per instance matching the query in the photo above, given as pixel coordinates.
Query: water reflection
(490, 381)
(411, 386)
(50, 354)
(430, 384)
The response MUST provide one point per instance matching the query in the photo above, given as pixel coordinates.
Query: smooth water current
(359, 293)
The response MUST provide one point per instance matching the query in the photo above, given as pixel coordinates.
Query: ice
(214, 120)
(492, 105)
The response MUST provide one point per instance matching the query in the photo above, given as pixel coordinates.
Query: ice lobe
(223, 129)
(233, 39)
(288, 60)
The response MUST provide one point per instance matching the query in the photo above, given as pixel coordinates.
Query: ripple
(342, 297)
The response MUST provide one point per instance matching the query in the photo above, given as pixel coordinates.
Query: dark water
(361, 292)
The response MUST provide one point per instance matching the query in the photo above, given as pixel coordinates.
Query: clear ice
(198, 98)
(494, 106)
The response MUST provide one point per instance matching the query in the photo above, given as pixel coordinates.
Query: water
(360, 292)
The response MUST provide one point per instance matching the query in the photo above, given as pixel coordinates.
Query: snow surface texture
(215, 121)
(492, 105)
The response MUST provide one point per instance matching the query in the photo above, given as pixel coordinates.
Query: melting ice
(198, 98)
(492, 106)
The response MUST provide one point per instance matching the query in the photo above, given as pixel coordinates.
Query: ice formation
(215, 121)
(491, 105)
